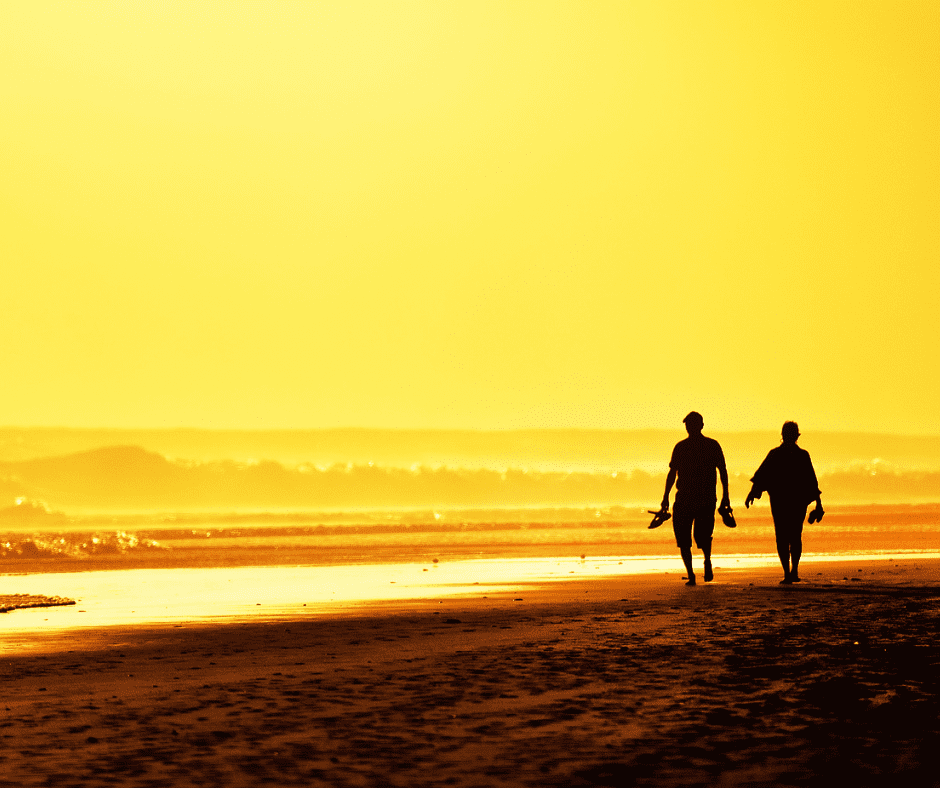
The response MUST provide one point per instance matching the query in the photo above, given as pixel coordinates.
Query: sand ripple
(731, 684)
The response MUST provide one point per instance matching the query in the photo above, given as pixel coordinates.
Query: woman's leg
(796, 551)
(783, 551)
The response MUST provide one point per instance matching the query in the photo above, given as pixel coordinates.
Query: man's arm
(815, 485)
(670, 480)
(813, 481)
(817, 514)
(723, 476)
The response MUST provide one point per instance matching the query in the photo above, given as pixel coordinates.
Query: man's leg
(682, 518)
(704, 530)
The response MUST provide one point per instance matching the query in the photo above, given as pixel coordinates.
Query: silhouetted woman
(787, 474)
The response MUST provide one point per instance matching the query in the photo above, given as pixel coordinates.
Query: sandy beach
(607, 681)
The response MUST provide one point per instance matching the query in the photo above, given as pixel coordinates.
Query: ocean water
(230, 539)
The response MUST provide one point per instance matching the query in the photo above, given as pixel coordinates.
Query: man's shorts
(693, 518)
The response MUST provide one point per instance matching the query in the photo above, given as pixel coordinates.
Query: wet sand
(603, 681)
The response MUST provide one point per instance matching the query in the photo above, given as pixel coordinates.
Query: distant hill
(545, 450)
(30, 513)
(133, 478)
(129, 477)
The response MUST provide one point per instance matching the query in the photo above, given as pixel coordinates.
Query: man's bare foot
(691, 581)
(709, 575)
(786, 580)
(795, 579)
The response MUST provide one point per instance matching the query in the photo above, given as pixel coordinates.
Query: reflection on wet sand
(145, 596)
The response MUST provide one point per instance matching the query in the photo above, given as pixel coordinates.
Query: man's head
(694, 423)
(790, 432)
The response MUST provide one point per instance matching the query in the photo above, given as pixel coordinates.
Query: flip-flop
(727, 516)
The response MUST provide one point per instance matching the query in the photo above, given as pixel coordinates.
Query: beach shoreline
(590, 681)
(187, 595)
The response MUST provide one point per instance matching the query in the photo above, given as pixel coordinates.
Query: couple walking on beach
(787, 474)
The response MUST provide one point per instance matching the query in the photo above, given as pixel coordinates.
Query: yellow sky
(489, 215)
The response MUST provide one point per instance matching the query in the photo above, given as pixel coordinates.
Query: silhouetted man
(787, 474)
(692, 469)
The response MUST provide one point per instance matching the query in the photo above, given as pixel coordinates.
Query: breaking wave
(75, 546)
